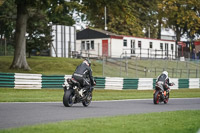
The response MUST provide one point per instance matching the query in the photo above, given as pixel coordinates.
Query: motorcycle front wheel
(87, 100)
(166, 99)
(156, 97)
(67, 98)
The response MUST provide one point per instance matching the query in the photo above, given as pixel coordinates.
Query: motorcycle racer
(83, 74)
(163, 79)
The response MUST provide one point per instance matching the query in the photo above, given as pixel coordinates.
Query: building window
(172, 47)
(161, 46)
(82, 45)
(139, 44)
(150, 45)
(92, 45)
(88, 45)
(166, 46)
(125, 43)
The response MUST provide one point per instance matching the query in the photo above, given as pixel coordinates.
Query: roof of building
(97, 33)
(94, 34)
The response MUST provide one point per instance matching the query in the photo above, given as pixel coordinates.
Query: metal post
(188, 73)
(121, 64)
(136, 69)
(176, 67)
(56, 41)
(165, 65)
(187, 69)
(145, 70)
(135, 65)
(180, 73)
(105, 19)
(88, 53)
(196, 73)
(103, 67)
(69, 49)
(126, 66)
(120, 67)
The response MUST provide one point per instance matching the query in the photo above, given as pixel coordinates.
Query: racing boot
(81, 92)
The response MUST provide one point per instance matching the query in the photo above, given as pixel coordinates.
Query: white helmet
(165, 72)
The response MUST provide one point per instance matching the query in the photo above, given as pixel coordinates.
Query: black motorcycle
(159, 95)
(73, 94)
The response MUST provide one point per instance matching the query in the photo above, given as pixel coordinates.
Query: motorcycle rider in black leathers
(164, 80)
(83, 74)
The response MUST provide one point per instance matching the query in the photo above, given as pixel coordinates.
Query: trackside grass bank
(164, 122)
(150, 68)
(48, 65)
(56, 95)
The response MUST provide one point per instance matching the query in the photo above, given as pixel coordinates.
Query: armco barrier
(28, 81)
(193, 83)
(7, 80)
(114, 83)
(145, 84)
(53, 81)
(175, 81)
(183, 83)
(130, 83)
(38, 81)
(100, 82)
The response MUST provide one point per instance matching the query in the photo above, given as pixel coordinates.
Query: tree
(61, 11)
(19, 60)
(182, 16)
(39, 32)
(123, 16)
(7, 22)
(26, 9)
(1, 2)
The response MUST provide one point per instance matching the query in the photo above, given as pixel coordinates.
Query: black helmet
(88, 61)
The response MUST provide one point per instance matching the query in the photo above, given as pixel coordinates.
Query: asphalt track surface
(30, 113)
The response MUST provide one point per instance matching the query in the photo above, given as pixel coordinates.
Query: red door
(105, 47)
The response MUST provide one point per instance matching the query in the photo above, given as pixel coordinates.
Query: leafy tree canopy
(182, 16)
(123, 16)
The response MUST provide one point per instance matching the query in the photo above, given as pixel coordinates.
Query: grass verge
(55, 95)
(165, 122)
(48, 65)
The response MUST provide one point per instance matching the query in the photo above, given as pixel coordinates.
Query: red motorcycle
(159, 95)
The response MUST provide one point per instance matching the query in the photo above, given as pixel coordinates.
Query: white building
(148, 48)
(64, 39)
(98, 43)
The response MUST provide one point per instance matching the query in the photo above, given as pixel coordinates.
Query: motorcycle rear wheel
(156, 97)
(87, 100)
(67, 98)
